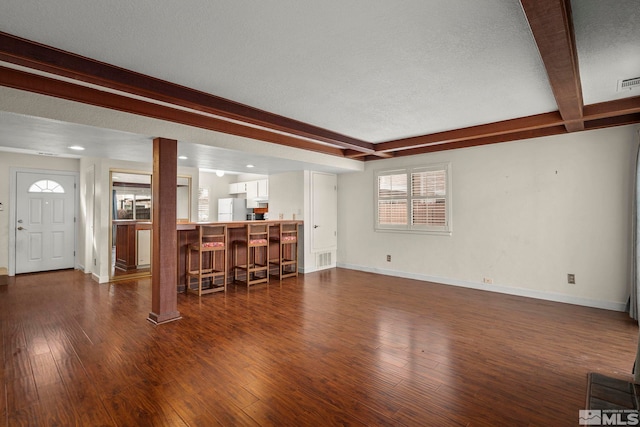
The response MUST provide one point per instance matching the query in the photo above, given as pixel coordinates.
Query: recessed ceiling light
(76, 147)
(250, 166)
(219, 173)
(183, 157)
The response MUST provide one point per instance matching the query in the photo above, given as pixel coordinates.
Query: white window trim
(447, 230)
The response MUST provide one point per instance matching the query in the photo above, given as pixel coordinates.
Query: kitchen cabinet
(238, 188)
(133, 244)
(126, 245)
(257, 191)
(143, 252)
(263, 189)
(252, 194)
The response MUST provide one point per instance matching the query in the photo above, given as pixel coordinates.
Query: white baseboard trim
(99, 279)
(312, 270)
(530, 293)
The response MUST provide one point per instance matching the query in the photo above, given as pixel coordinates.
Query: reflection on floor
(334, 347)
(118, 273)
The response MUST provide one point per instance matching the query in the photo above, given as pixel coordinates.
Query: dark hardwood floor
(337, 347)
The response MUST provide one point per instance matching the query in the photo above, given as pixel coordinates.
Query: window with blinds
(414, 199)
(392, 199)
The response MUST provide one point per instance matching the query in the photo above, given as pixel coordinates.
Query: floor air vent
(628, 84)
(323, 259)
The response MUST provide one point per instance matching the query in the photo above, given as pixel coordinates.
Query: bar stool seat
(211, 253)
(256, 262)
(287, 241)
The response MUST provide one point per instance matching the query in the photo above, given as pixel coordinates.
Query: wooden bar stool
(287, 241)
(211, 251)
(256, 245)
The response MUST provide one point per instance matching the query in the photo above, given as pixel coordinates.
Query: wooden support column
(164, 267)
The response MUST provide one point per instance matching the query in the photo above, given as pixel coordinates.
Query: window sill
(406, 231)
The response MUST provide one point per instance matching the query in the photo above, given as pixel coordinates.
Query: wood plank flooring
(337, 347)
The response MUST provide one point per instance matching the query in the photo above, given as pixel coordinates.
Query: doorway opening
(131, 216)
(130, 254)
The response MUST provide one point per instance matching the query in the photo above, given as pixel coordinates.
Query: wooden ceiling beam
(60, 89)
(466, 143)
(537, 121)
(607, 122)
(552, 27)
(515, 129)
(36, 56)
(612, 108)
(597, 116)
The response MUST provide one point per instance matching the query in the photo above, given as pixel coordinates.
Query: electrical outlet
(487, 280)
(571, 279)
(388, 258)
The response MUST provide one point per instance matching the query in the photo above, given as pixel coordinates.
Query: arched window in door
(46, 186)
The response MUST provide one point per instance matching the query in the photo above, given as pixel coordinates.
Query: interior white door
(324, 221)
(45, 222)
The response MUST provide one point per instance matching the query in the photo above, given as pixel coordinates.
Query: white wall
(245, 177)
(286, 195)
(10, 160)
(218, 187)
(525, 214)
(286, 199)
(86, 250)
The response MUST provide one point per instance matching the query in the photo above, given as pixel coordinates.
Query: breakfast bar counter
(188, 234)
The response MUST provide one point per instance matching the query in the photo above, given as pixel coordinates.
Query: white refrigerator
(231, 209)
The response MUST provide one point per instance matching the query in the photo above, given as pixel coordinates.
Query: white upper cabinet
(263, 189)
(257, 191)
(252, 194)
(238, 188)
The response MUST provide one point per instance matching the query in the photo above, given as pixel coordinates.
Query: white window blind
(392, 199)
(414, 199)
(203, 204)
(428, 197)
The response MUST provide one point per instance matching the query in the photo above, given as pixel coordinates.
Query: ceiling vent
(628, 84)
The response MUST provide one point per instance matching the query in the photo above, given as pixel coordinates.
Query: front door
(45, 221)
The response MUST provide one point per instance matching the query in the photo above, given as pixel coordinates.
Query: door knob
(316, 226)
(21, 228)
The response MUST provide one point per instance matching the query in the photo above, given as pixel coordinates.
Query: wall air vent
(323, 259)
(628, 84)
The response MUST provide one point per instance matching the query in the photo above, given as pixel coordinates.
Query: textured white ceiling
(371, 69)
(376, 70)
(608, 42)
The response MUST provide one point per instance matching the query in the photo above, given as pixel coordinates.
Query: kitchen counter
(188, 233)
(233, 224)
(126, 237)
